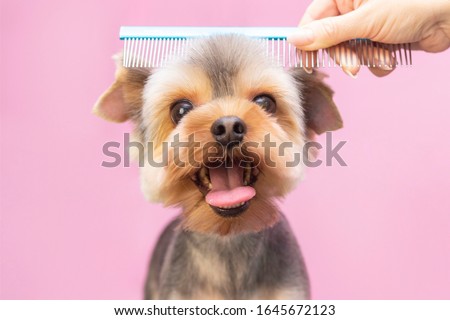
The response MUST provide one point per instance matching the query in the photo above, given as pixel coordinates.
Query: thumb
(330, 31)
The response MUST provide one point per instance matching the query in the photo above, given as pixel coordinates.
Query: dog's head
(223, 129)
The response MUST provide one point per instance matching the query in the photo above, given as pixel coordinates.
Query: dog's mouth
(228, 190)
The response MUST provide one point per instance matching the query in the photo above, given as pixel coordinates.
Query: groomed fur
(203, 254)
(229, 72)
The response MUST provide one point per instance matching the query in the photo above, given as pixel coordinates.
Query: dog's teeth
(247, 173)
(203, 175)
(202, 172)
(233, 206)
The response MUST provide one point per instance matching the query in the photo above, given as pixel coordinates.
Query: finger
(350, 64)
(319, 9)
(308, 60)
(342, 56)
(345, 56)
(376, 55)
(380, 72)
(381, 61)
(331, 31)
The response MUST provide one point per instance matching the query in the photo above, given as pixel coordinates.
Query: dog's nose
(228, 130)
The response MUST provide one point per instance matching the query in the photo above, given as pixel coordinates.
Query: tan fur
(175, 83)
(165, 87)
(177, 188)
(213, 272)
(123, 100)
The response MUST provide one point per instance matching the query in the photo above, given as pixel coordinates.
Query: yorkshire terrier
(212, 114)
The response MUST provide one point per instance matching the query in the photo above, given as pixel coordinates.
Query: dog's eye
(179, 109)
(266, 102)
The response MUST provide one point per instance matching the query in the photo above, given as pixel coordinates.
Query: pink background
(71, 229)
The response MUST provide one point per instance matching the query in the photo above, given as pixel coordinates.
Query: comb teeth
(154, 47)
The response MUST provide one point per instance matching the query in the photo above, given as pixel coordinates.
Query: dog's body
(262, 265)
(221, 109)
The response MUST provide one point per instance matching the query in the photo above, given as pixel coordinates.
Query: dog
(214, 108)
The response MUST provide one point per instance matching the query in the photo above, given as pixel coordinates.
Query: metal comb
(154, 47)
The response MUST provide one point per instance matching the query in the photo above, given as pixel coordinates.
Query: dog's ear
(123, 99)
(320, 111)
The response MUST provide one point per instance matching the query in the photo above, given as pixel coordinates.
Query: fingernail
(308, 70)
(354, 76)
(382, 65)
(303, 36)
(385, 67)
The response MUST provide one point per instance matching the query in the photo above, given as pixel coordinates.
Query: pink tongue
(227, 187)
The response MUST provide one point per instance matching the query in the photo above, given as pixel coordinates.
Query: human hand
(425, 24)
